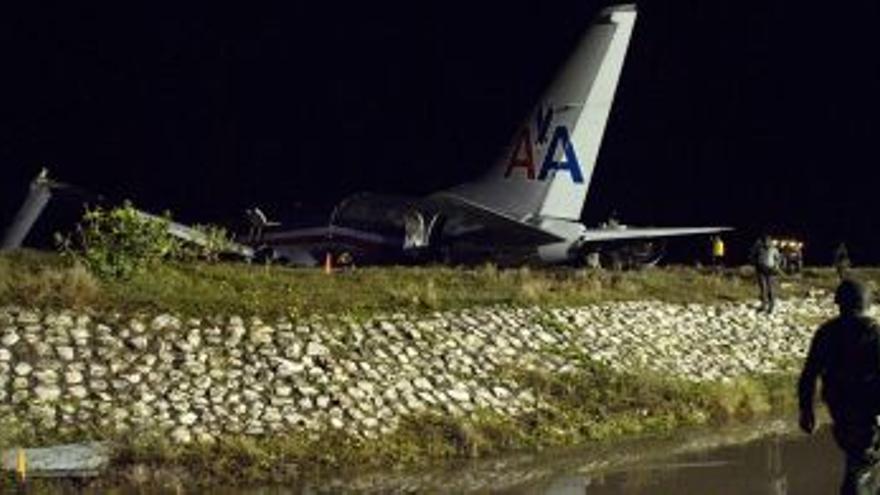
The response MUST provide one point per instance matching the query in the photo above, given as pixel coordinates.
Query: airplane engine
(622, 256)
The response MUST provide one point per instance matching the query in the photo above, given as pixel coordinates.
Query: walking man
(845, 353)
(765, 258)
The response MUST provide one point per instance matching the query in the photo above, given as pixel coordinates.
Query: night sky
(758, 115)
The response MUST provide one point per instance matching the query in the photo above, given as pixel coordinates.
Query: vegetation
(48, 280)
(590, 405)
(119, 242)
(122, 259)
(593, 404)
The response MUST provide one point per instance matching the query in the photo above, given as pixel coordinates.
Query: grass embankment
(585, 407)
(46, 280)
(592, 405)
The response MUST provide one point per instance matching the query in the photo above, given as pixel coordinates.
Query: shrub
(120, 242)
(72, 286)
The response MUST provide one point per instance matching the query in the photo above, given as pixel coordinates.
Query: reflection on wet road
(762, 458)
(777, 465)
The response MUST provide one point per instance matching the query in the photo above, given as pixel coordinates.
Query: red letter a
(523, 144)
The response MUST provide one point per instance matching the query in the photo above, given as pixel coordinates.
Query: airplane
(526, 208)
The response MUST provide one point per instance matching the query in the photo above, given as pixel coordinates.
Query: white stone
(181, 435)
(307, 391)
(305, 403)
(367, 387)
(422, 383)
(459, 395)
(188, 419)
(97, 370)
(140, 342)
(288, 368)
(79, 334)
(9, 339)
(163, 322)
(390, 394)
(262, 335)
(78, 392)
(23, 369)
(73, 377)
(294, 419)
(47, 393)
(46, 376)
(314, 349)
(65, 353)
(272, 415)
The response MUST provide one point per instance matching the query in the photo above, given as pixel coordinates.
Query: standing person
(765, 258)
(798, 257)
(845, 352)
(841, 260)
(717, 252)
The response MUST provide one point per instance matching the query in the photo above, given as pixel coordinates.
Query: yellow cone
(328, 264)
(21, 465)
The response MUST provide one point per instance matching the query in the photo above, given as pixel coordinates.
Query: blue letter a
(570, 163)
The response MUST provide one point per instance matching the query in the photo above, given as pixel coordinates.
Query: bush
(72, 286)
(120, 242)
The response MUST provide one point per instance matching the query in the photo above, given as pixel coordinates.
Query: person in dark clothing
(845, 353)
(765, 258)
(841, 261)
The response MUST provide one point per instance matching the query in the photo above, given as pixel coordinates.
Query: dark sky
(759, 115)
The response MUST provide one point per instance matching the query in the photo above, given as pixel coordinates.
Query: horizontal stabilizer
(493, 224)
(632, 233)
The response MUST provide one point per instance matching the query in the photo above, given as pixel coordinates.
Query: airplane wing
(315, 235)
(631, 233)
(198, 237)
(308, 246)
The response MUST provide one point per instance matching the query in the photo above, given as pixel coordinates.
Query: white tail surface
(545, 172)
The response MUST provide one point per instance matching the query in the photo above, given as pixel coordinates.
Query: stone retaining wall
(199, 378)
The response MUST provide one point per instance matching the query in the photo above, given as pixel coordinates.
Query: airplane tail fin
(545, 172)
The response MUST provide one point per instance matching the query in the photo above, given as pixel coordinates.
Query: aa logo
(523, 155)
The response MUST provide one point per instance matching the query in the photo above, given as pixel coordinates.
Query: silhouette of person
(765, 258)
(845, 353)
(841, 260)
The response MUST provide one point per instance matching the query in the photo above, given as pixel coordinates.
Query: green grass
(593, 404)
(588, 406)
(45, 280)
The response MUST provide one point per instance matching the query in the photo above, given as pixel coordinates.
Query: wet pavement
(766, 458)
(778, 465)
